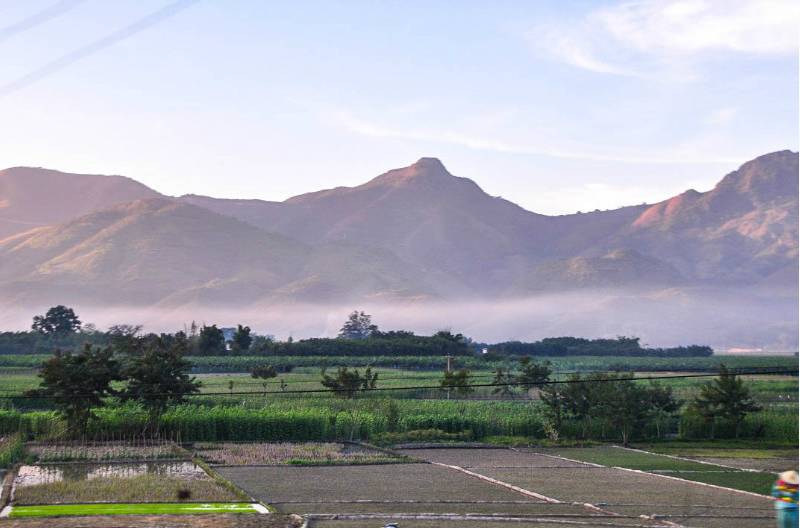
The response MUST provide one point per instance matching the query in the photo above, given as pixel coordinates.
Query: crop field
(118, 485)
(311, 453)
(45, 452)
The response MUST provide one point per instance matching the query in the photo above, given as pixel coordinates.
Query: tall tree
(158, 375)
(242, 340)
(58, 321)
(662, 404)
(624, 404)
(77, 383)
(726, 397)
(532, 373)
(457, 381)
(211, 341)
(358, 326)
(504, 380)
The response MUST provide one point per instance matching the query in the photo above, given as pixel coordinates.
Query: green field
(581, 363)
(756, 482)
(52, 510)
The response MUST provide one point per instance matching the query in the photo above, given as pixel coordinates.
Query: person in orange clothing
(785, 492)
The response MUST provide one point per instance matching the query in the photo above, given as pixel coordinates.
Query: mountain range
(412, 234)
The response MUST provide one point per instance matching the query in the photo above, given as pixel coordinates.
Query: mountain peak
(433, 164)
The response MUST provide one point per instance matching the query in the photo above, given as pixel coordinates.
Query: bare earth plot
(410, 494)
(624, 492)
(158, 521)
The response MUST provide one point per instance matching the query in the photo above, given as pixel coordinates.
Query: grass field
(755, 482)
(52, 510)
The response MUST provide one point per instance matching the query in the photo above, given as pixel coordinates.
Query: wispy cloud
(38, 18)
(93, 47)
(357, 125)
(644, 38)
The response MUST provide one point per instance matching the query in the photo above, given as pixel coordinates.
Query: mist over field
(725, 320)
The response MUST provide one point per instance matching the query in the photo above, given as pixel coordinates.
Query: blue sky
(558, 106)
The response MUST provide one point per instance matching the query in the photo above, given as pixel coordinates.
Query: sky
(558, 106)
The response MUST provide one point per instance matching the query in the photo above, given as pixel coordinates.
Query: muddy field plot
(492, 458)
(478, 522)
(625, 492)
(399, 488)
(158, 521)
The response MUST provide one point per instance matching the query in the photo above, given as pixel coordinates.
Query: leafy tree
(211, 341)
(504, 380)
(625, 405)
(347, 383)
(123, 337)
(358, 326)
(241, 340)
(458, 381)
(532, 373)
(555, 407)
(58, 321)
(263, 371)
(726, 397)
(158, 375)
(77, 383)
(662, 404)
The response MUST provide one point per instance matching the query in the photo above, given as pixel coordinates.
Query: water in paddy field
(46, 473)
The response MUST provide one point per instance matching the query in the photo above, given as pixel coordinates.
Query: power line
(421, 387)
(472, 376)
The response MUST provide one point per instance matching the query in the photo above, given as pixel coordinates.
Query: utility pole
(448, 369)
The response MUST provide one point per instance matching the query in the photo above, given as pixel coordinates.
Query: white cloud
(723, 116)
(678, 155)
(647, 38)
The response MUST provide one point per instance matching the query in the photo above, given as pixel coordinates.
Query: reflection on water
(33, 475)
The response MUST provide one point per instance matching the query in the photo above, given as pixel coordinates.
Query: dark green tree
(242, 340)
(624, 404)
(504, 380)
(555, 409)
(532, 373)
(77, 383)
(58, 321)
(347, 383)
(358, 326)
(211, 341)
(662, 404)
(726, 397)
(158, 376)
(263, 371)
(457, 381)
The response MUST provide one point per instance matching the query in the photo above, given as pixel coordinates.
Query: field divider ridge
(491, 480)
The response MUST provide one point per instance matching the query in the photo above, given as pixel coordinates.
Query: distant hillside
(163, 251)
(416, 232)
(31, 197)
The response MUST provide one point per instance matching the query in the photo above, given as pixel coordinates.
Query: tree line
(60, 328)
(577, 346)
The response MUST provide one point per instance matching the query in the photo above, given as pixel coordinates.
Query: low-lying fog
(725, 320)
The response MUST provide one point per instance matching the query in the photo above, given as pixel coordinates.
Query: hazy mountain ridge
(411, 233)
(31, 197)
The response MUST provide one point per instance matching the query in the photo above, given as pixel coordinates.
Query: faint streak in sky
(93, 47)
(54, 10)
